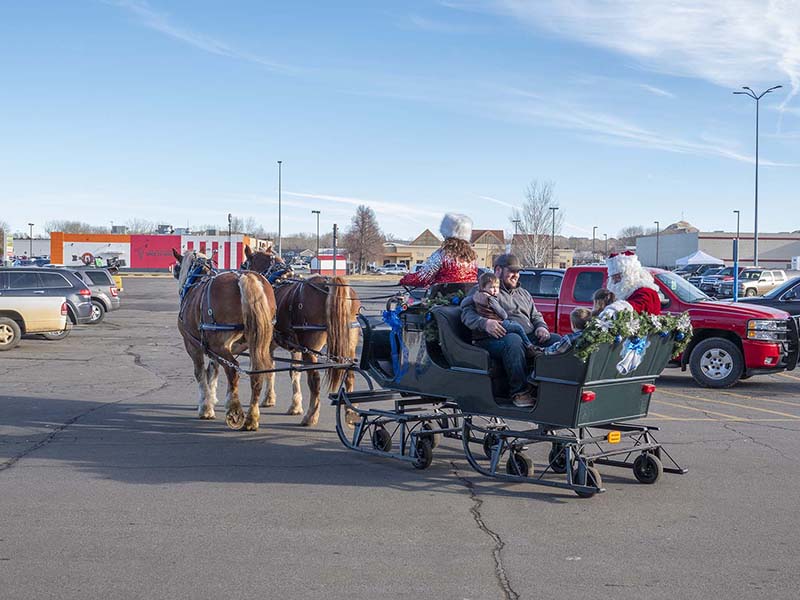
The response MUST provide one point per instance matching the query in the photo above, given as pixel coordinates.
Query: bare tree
(535, 224)
(364, 239)
(627, 235)
(73, 227)
(4, 226)
(140, 226)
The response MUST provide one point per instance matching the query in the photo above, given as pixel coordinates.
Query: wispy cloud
(438, 26)
(501, 202)
(727, 42)
(656, 91)
(160, 22)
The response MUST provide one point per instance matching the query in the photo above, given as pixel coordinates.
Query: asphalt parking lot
(110, 487)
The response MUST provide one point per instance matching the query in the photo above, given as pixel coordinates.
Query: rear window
(54, 280)
(22, 281)
(99, 277)
(586, 284)
(544, 285)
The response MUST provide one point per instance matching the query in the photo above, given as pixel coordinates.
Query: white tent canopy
(698, 258)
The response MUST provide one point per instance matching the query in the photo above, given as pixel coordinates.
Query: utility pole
(30, 236)
(316, 212)
(280, 162)
(657, 232)
(594, 228)
(334, 249)
(553, 239)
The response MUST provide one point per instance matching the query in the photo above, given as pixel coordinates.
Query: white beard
(630, 283)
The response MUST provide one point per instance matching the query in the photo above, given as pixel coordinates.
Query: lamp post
(516, 223)
(657, 232)
(30, 237)
(280, 162)
(316, 212)
(605, 235)
(553, 238)
(594, 228)
(737, 224)
(736, 261)
(755, 97)
(335, 231)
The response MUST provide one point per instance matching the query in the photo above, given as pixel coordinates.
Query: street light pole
(657, 232)
(334, 249)
(280, 162)
(605, 235)
(316, 212)
(594, 228)
(736, 261)
(553, 239)
(30, 237)
(737, 224)
(757, 98)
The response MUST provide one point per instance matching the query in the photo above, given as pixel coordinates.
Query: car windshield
(750, 275)
(681, 288)
(778, 291)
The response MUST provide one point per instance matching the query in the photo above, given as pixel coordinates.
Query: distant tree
(4, 226)
(140, 226)
(73, 227)
(627, 235)
(534, 223)
(364, 239)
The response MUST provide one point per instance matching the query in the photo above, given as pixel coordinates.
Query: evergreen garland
(431, 329)
(628, 324)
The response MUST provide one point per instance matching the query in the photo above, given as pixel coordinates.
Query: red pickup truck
(731, 341)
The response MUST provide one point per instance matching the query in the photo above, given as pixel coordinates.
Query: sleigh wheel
(434, 438)
(381, 439)
(424, 453)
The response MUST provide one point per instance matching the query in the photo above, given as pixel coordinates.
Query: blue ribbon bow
(399, 349)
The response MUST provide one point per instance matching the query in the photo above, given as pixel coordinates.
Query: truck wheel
(58, 335)
(750, 292)
(98, 312)
(716, 363)
(10, 333)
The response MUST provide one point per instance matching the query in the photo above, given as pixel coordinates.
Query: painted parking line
(760, 399)
(734, 404)
(725, 416)
(788, 376)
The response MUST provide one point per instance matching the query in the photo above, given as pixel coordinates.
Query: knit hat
(456, 225)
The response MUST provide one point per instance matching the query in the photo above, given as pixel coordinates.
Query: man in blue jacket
(491, 335)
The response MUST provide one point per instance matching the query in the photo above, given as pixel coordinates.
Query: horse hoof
(235, 420)
(251, 427)
(294, 411)
(207, 416)
(267, 404)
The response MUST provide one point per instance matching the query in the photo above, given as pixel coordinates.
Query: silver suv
(754, 282)
(105, 295)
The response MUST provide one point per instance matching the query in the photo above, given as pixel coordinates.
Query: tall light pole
(594, 228)
(316, 212)
(605, 235)
(756, 97)
(736, 261)
(280, 162)
(737, 224)
(516, 223)
(657, 232)
(30, 237)
(553, 238)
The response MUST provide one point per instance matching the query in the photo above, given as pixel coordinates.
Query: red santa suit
(637, 286)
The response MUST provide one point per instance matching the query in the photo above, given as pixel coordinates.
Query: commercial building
(775, 250)
(487, 244)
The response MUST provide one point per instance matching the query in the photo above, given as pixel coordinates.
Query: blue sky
(177, 112)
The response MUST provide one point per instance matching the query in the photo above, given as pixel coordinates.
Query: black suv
(35, 281)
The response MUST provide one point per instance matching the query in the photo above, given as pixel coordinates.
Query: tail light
(85, 293)
(64, 309)
(588, 396)
(114, 291)
(648, 388)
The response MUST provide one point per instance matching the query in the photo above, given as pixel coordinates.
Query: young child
(607, 305)
(578, 318)
(487, 306)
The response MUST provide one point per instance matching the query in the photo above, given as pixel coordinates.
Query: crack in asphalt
(730, 427)
(499, 544)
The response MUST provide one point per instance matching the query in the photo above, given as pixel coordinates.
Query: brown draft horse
(222, 315)
(310, 313)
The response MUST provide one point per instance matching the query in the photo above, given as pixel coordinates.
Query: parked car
(698, 269)
(786, 297)
(730, 341)
(105, 295)
(393, 269)
(35, 281)
(754, 282)
(710, 283)
(698, 277)
(33, 314)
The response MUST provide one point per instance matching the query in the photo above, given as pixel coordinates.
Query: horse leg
(205, 405)
(212, 375)
(350, 416)
(269, 389)
(297, 391)
(256, 383)
(312, 415)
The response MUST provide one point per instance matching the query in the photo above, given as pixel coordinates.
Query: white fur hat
(622, 262)
(456, 225)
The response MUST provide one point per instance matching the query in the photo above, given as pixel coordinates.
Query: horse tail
(338, 307)
(257, 315)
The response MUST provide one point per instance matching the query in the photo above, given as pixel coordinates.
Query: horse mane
(187, 264)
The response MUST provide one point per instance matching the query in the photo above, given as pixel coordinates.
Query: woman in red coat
(630, 281)
(454, 262)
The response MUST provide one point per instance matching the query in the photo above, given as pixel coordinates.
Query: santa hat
(634, 275)
(456, 225)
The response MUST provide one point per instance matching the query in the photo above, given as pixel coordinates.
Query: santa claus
(630, 281)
